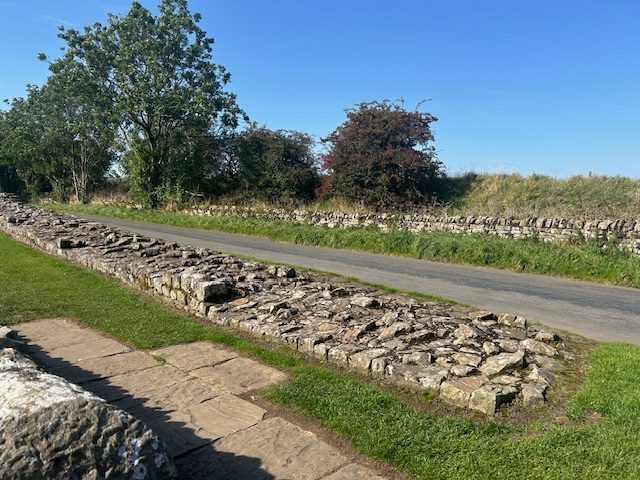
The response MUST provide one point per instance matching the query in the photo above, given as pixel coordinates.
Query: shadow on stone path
(187, 395)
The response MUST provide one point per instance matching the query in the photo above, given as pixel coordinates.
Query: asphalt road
(597, 311)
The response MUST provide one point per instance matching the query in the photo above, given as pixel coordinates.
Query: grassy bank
(420, 443)
(519, 196)
(583, 261)
(594, 196)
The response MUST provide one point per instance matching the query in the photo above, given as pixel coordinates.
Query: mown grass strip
(583, 261)
(426, 446)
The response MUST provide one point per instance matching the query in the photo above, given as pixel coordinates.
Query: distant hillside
(540, 196)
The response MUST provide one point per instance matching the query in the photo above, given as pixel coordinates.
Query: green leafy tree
(82, 114)
(158, 72)
(9, 179)
(58, 138)
(32, 146)
(275, 165)
(381, 155)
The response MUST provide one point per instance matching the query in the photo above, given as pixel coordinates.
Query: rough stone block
(379, 366)
(362, 360)
(340, 354)
(364, 301)
(538, 348)
(512, 320)
(212, 291)
(458, 392)
(50, 428)
(502, 362)
(533, 395)
(541, 376)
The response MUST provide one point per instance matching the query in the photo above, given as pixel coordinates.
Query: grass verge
(422, 444)
(584, 261)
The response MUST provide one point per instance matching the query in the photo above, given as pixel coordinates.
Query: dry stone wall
(471, 359)
(50, 428)
(624, 231)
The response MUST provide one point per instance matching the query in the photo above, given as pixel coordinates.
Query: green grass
(583, 261)
(593, 196)
(425, 445)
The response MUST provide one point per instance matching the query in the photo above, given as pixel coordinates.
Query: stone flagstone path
(187, 394)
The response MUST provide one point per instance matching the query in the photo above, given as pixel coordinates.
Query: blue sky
(518, 86)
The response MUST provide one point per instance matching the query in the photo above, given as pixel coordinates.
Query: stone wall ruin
(624, 232)
(471, 359)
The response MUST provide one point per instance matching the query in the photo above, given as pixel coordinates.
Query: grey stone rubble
(471, 359)
(50, 428)
(625, 231)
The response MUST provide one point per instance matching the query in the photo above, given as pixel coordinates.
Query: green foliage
(58, 138)
(169, 96)
(9, 178)
(274, 165)
(85, 125)
(32, 144)
(421, 444)
(381, 156)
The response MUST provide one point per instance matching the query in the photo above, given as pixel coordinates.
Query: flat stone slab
(178, 433)
(46, 327)
(191, 356)
(285, 450)
(240, 375)
(101, 347)
(224, 415)
(353, 471)
(139, 383)
(178, 396)
(206, 462)
(104, 367)
(52, 333)
(200, 424)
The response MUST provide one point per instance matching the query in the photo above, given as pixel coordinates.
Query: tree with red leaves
(381, 156)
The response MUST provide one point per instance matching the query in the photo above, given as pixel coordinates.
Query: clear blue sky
(523, 86)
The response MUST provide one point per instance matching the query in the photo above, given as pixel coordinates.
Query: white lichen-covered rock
(537, 347)
(50, 428)
(541, 376)
(512, 320)
(533, 394)
(490, 398)
(502, 362)
(458, 392)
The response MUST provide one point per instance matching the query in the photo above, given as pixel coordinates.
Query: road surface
(596, 311)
